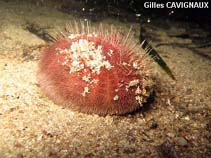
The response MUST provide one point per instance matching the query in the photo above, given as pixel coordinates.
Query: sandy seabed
(176, 124)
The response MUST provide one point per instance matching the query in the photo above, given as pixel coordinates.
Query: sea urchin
(95, 70)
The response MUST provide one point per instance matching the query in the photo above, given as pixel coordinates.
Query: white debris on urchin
(86, 91)
(116, 97)
(85, 54)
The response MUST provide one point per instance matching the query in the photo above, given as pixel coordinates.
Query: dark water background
(131, 10)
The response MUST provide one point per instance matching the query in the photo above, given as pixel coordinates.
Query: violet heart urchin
(95, 70)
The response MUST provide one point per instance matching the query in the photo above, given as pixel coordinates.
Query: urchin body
(95, 72)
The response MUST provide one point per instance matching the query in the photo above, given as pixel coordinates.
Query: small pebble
(189, 91)
(167, 149)
(182, 141)
(20, 156)
(176, 100)
(187, 118)
(154, 124)
(170, 135)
